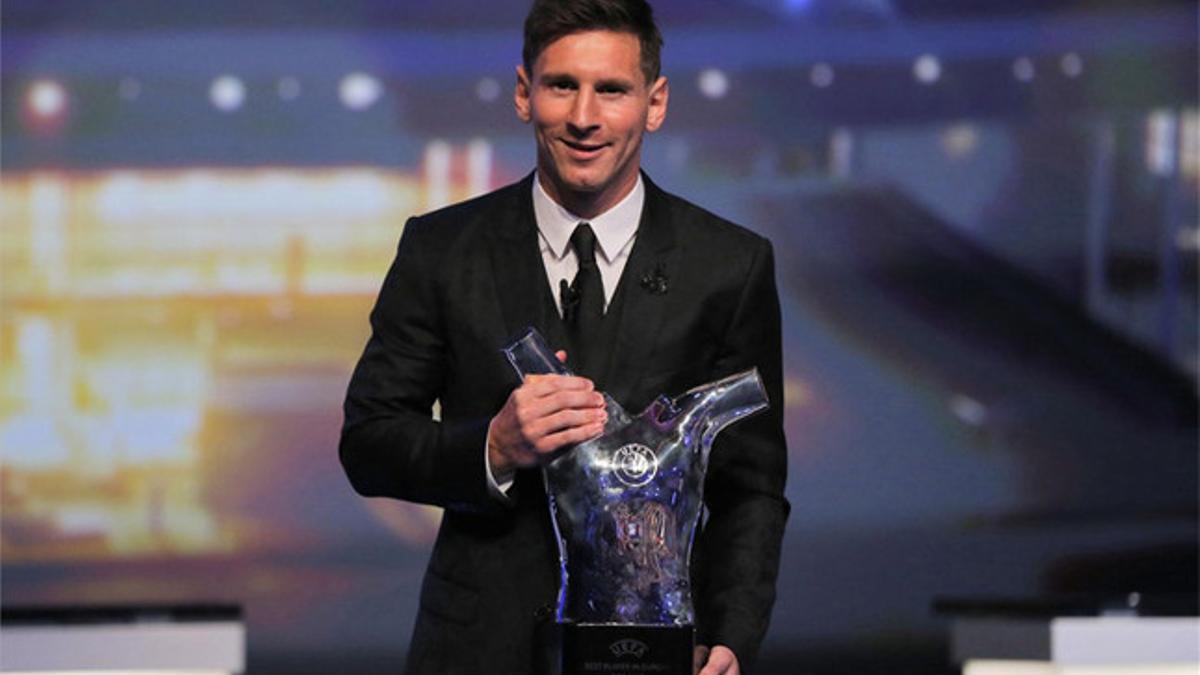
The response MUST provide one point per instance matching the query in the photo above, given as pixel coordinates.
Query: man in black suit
(664, 296)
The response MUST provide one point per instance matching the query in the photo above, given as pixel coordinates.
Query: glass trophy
(625, 507)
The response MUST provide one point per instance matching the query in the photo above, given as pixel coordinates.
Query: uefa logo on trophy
(635, 464)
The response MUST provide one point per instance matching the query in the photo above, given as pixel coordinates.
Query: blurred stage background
(985, 219)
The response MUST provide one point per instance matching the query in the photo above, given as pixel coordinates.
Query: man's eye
(562, 86)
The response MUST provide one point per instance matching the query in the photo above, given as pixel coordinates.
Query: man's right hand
(544, 414)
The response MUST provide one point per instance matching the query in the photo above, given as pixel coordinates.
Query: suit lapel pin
(655, 281)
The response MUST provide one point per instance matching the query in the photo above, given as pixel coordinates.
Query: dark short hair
(549, 20)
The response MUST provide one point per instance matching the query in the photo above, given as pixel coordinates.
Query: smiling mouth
(584, 148)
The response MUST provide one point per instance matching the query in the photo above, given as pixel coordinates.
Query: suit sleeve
(737, 557)
(390, 444)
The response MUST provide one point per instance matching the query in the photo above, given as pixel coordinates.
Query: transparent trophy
(625, 507)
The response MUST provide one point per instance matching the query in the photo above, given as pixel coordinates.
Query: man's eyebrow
(556, 77)
(615, 83)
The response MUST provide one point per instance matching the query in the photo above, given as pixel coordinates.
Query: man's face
(589, 104)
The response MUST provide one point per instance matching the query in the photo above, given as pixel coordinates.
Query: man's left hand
(719, 660)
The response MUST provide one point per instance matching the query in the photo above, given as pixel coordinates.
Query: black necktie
(583, 300)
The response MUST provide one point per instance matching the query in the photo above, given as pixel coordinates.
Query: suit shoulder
(704, 225)
(448, 222)
(464, 210)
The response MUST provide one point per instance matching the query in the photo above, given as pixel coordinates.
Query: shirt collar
(614, 228)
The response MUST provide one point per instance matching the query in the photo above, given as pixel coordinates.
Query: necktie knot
(583, 240)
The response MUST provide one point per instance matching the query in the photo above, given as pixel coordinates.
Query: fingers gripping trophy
(625, 508)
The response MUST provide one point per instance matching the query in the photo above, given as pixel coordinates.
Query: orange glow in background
(153, 320)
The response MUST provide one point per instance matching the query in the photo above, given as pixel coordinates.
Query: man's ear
(521, 95)
(660, 92)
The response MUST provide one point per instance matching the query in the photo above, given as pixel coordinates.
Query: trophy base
(614, 649)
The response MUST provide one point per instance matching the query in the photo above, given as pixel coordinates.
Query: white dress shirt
(615, 231)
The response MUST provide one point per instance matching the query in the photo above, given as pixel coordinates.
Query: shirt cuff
(497, 485)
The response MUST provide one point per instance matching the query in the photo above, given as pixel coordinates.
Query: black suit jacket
(698, 302)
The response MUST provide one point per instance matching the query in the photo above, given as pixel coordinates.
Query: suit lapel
(519, 273)
(645, 290)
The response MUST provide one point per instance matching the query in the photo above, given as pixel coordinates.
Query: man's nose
(584, 116)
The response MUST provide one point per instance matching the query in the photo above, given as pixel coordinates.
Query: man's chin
(581, 185)
(583, 188)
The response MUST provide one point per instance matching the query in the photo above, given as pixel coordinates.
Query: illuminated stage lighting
(288, 88)
(129, 89)
(1023, 69)
(488, 89)
(968, 410)
(713, 83)
(1162, 142)
(1071, 64)
(46, 99)
(959, 141)
(927, 69)
(359, 91)
(821, 75)
(46, 106)
(227, 93)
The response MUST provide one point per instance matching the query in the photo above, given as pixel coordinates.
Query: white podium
(195, 640)
(1099, 645)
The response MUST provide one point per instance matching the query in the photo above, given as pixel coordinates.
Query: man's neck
(585, 204)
